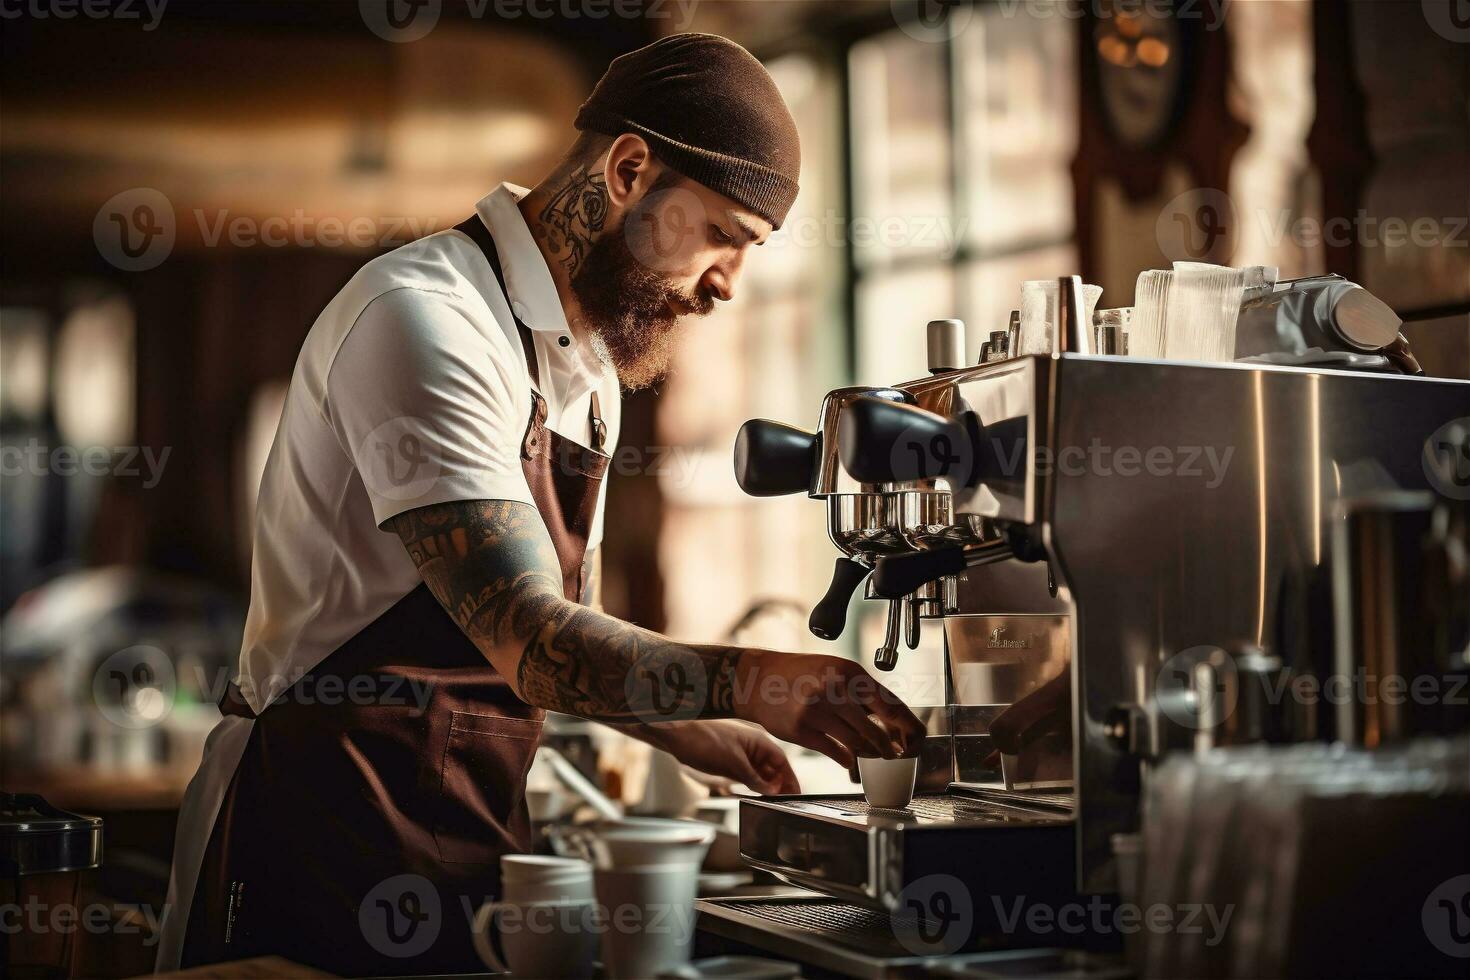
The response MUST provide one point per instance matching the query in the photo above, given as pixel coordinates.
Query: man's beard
(632, 310)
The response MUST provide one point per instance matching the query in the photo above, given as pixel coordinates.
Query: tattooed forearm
(574, 216)
(492, 567)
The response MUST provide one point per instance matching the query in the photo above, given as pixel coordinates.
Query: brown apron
(362, 829)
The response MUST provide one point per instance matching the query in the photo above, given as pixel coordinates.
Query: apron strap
(232, 703)
(480, 235)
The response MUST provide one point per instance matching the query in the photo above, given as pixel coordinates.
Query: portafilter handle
(773, 458)
(829, 616)
(888, 442)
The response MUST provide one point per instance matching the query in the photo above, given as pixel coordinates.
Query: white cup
(542, 878)
(888, 783)
(538, 939)
(636, 842)
(647, 875)
(647, 917)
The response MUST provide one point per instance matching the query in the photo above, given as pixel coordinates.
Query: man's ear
(629, 171)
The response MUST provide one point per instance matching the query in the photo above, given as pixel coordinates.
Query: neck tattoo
(574, 217)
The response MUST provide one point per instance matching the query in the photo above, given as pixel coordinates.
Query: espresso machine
(1113, 547)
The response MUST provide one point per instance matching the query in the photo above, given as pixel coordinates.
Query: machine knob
(773, 458)
(829, 617)
(886, 442)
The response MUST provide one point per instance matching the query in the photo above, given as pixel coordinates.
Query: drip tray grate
(938, 809)
(851, 926)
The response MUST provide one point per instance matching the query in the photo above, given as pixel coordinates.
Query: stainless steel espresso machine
(1114, 548)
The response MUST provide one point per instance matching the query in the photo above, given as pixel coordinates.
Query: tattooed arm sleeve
(491, 565)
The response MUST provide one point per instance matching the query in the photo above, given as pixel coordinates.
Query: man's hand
(730, 749)
(491, 565)
(827, 704)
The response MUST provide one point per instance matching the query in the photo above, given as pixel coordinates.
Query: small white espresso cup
(888, 783)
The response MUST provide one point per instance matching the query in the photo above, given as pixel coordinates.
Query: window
(961, 184)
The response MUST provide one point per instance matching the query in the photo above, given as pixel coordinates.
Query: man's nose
(722, 277)
(720, 285)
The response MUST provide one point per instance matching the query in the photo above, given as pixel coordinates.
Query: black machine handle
(773, 458)
(895, 576)
(829, 617)
(887, 442)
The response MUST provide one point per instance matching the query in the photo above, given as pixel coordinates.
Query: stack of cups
(1039, 298)
(647, 877)
(546, 921)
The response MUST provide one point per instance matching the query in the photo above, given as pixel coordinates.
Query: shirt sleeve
(429, 408)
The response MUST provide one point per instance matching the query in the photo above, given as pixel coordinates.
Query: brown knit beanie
(710, 111)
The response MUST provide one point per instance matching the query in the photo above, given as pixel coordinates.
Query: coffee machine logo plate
(998, 640)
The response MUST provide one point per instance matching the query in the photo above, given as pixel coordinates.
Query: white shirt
(411, 389)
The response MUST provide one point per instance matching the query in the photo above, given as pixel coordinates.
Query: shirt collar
(528, 281)
(573, 369)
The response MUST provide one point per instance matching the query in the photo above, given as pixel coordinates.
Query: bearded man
(424, 582)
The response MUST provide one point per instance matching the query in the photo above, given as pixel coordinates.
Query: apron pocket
(482, 785)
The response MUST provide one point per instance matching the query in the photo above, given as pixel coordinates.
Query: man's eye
(719, 235)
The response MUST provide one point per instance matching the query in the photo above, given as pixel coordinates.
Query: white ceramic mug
(538, 939)
(636, 842)
(888, 783)
(543, 878)
(647, 918)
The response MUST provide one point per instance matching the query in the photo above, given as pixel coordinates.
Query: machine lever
(829, 616)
